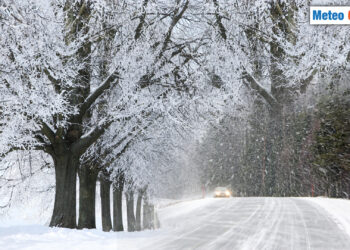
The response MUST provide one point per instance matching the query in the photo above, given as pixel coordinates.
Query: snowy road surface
(234, 223)
(251, 223)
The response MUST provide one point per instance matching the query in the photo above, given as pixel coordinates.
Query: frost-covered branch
(97, 93)
(249, 80)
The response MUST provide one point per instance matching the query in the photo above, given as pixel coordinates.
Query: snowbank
(338, 209)
(38, 237)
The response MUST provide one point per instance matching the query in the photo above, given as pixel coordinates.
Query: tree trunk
(147, 214)
(138, 211)
(130, 210)
(274, 142)
(64, 212)
(105, 187)
(87, 197)
(117, 207)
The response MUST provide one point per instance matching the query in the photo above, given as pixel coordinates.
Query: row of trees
(89, 83)
(292, 141)
(81, 81)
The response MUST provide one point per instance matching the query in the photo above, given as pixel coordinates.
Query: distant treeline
(298, 152)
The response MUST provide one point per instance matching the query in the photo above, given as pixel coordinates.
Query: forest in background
(310, 158)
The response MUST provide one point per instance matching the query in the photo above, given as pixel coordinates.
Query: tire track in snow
(272, 225)
(241, 225)
(200, 220)
(304, 224)
(253, 223)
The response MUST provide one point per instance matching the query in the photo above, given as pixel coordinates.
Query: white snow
(339, 209)
(235, 223)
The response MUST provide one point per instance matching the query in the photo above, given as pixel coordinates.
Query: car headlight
(217, 193)
(227, 193)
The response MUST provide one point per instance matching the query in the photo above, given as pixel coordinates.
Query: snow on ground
(236, 223)
(339, 209)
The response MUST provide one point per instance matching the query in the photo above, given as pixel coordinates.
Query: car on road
(222, 192)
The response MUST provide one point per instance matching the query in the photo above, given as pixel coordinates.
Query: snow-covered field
(236, 223)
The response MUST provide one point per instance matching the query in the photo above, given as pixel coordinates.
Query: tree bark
(105, 187)
(273, 147)
(87, 197)
(147, 214)
(64, 212)
(117, 205)
(138, 210)
(130, 210)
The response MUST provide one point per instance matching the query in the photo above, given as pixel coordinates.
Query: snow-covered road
(218, 224)
(250, 223)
